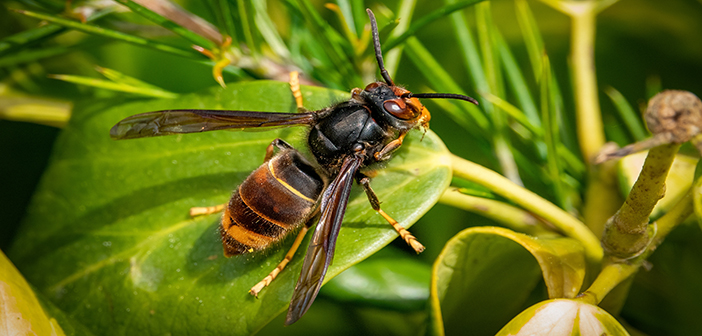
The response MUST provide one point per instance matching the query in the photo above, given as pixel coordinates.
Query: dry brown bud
(672, 116)
(676, 114)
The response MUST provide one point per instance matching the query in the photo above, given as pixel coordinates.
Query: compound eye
(398, 108)
(373, 85)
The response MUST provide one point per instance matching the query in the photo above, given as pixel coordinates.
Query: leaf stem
(610, 276)
(532, 202)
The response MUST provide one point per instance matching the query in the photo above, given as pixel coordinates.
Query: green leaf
(563, 318)
(108, 236)
(485, 275)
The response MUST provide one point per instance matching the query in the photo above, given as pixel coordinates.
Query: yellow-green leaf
(563, 317)
(485, 276)
(20, 311)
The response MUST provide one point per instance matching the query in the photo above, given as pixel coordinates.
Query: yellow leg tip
(257, 289)
(416, 245)
(199, 211)
(194, 212)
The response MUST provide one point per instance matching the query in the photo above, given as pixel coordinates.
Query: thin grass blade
(109, 85)
(469, 53)
(532, 37)
(268, 30)
(442, 82)
(345, 12)
(121, 78)
(222, 10)
(392, 57)
(246, 17)
(113, 34)
(27, 56)
(632, 120)
(487, 33)
(28, 37)
(336, 46)
(515, 81)
(425, 20)
(194, 23)
(548, 116)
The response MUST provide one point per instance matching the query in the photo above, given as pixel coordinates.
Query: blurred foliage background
(641, 47)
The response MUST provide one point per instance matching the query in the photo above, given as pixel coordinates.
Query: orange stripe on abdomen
(263, 194)
(248, 238)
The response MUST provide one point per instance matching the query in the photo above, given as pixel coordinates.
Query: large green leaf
(485, 276)
(109, 240)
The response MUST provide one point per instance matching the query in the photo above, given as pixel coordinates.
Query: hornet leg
(295, 88)
(384, 154)
(375, 203)
(288, 256)
(277, 143)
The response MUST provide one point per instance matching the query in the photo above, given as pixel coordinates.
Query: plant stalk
(505, 214)
(589, 119)
(565, 222)
(615, 272)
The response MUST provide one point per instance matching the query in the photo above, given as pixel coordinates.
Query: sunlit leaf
(20, 311)
(697, 197)
(108, 236)
(563, 318)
